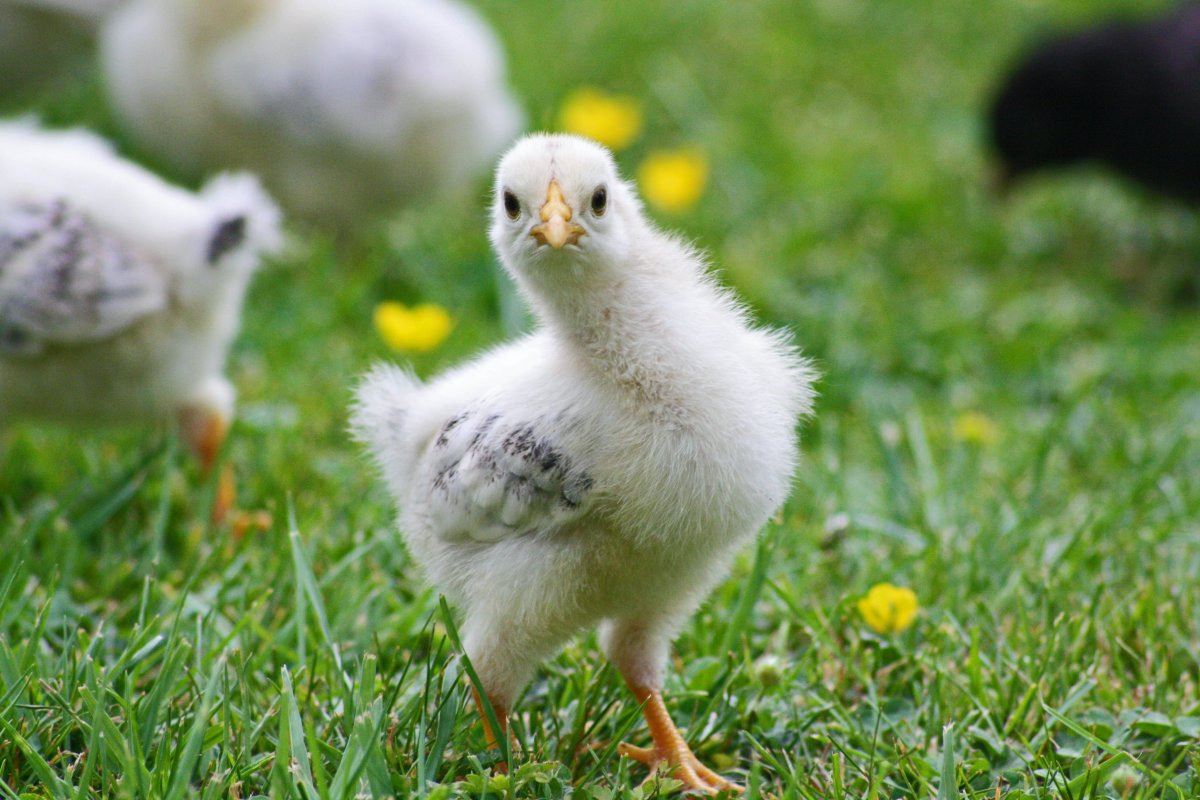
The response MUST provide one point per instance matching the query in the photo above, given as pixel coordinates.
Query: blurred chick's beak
(556, 228)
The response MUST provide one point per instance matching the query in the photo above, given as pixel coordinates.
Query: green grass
(1057, 654)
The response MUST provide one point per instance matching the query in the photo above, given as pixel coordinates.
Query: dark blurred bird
(1125, 94)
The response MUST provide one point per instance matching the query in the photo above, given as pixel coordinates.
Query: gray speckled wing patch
(64, 280)
(494, 478)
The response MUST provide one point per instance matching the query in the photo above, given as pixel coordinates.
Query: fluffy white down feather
(119, 293)
(344, 108)
(605, 468)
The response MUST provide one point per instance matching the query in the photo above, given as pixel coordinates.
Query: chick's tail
(379, 418)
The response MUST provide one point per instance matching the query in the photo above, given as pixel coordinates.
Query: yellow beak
(556, 228)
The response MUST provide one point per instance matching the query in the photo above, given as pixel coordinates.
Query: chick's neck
(634, 327)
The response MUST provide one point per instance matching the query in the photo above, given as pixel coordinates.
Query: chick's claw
(684, 767)
(670, 747)
(244, 522)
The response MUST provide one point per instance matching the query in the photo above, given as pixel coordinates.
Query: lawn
(1053, 542)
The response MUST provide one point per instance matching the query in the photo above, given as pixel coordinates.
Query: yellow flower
(416, 330)
(612, 120)
(975, 428)
(673, 180)
(888, 608)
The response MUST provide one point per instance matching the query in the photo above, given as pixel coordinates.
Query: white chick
(41, 39)
(604, 469)
(346, 109)
(119, 293)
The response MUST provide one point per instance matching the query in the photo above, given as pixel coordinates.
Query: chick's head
(560, 211)
(239, 225)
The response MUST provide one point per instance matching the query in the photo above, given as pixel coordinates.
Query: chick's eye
(600, 201)
(512, 206)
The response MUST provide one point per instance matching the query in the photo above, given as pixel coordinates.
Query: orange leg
(225, 496)
(670, 747)
(490, 736)
(205, 431)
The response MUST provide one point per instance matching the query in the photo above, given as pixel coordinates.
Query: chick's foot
(205, 431)
(670, 747)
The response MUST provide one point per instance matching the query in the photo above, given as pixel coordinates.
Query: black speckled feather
(63, 279)
(495, 477)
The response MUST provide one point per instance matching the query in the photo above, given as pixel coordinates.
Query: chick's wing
(493, 478)
(64, 280)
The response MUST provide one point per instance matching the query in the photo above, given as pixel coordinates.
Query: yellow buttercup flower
(975, 428)
(673, 180)
(414, 330)
(612, 120)
(888, 608)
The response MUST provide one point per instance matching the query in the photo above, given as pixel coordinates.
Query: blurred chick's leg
(504, 655)
(204, 432)
(490, 736)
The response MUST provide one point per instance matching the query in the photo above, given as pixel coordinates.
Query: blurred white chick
(119, 293)
(41, 39)
(346, 108)
(605, 468)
